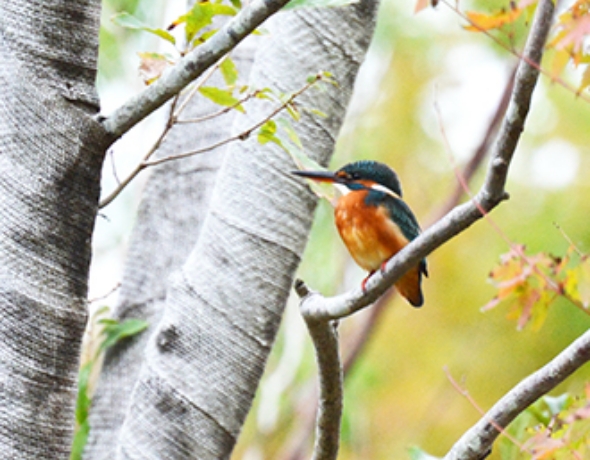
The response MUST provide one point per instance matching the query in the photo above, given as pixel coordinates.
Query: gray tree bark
(171, 214)
(51, 151)
(223, 305)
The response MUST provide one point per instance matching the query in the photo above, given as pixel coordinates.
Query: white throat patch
(381, 188)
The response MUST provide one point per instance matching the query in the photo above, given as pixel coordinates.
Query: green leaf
(293, 4)
(293, 111)
(83, 401)
(80, 441)
(229, 71)
(114, 333)
(221, 97)
(267, 134)
(128, 21)
(108, 321)
(266, 93)
(82, 408)
(288, 128)
(201, 15)
(318, 113)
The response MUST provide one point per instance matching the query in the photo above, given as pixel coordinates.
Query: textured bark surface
(173, 207)
(50, 159)
(223, 306)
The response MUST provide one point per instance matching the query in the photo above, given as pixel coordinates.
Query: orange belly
(372, 238)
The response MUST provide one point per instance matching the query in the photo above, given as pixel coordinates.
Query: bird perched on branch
(373, 220)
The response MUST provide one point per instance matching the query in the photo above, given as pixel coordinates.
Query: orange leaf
(421, 5)
(585, 83)
(151, 66)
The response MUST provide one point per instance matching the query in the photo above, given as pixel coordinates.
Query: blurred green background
(424, 79)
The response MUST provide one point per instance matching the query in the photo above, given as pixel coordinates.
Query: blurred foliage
(397, 395)
(553, 428)
(102, 333)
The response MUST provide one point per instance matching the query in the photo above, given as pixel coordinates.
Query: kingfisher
(373, 220)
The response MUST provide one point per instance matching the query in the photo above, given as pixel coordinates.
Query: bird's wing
(403, 216)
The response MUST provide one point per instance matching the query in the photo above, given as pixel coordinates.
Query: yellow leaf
(585, 83)
(481, 22)
(559, 60)
(577, 282)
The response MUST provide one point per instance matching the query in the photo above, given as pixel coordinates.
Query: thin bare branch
(121, 186)
(241, 136)
(194, 90)
(465, 393)
(219, 112)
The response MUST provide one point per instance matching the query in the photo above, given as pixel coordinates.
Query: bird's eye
(355, 176)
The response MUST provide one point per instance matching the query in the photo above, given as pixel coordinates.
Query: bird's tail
(409, 286)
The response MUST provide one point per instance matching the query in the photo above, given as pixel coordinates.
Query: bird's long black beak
(320, 176)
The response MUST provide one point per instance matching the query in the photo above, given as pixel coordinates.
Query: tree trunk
(171, 214)
(223, 306)
(51, 153)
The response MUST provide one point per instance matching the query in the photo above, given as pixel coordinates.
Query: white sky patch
(467, 95)
(554, 165)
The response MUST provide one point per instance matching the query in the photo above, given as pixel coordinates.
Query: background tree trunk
(171, 214)
(51, 153)
(222, 308)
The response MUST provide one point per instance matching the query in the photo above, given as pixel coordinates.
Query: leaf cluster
(553, 428)
(529, 284)
(566, 44)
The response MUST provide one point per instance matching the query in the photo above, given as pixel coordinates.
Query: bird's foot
(364, 283)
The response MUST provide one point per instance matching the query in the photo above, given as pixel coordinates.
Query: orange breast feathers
(372, 238)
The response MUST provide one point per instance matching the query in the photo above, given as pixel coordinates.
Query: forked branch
(316, 308)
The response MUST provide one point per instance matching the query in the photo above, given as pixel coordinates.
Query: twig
(219, 112)
(115, 193)
(465, 393)
(172, 120)
(104, 296)
(238, 137)
(190, 67)
(194, 90)
(479, 439)
(113, 166)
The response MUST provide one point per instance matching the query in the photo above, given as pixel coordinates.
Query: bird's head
(365, 174)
